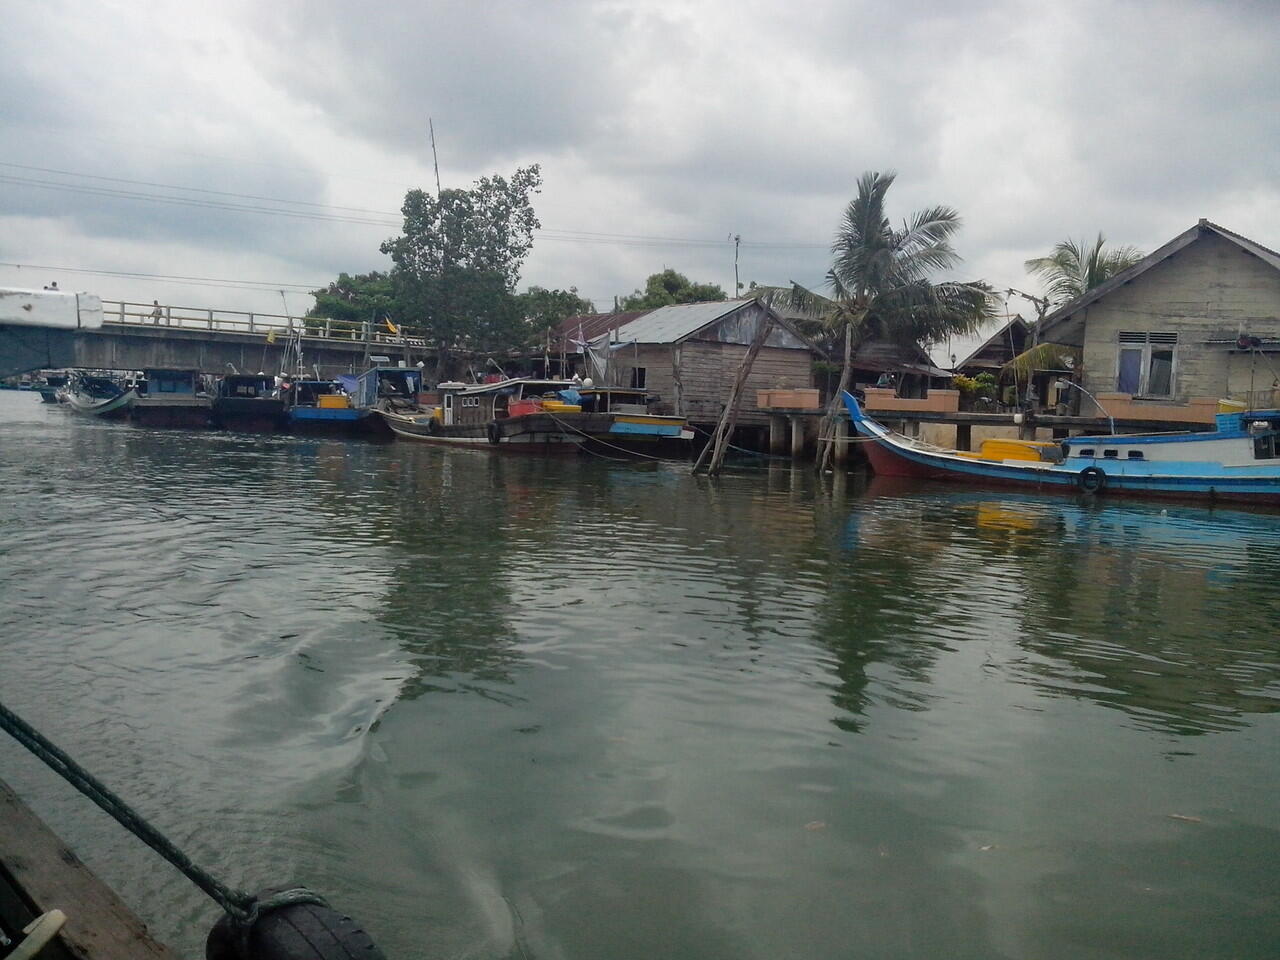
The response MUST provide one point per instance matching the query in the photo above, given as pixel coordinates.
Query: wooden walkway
(38, 872)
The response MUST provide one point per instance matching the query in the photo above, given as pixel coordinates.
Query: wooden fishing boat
(247, 401)
(99, 396)
(171, 398)
(1237, 461)
(530, 415)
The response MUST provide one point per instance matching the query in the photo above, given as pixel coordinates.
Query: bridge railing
(240, 321)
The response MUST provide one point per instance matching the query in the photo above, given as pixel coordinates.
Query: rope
(243, 908)
(603, 443)
(754, 453)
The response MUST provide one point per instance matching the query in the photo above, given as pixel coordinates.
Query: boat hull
(185, 412)
(320, 421)
(891, 455)
(248, 414)
(107, 408)
(535, 433)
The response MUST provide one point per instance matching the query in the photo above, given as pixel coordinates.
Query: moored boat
(322, 406)
(530, 415)
(247, 401)
(1238, 461)
(99, 395)
(171, 398)
(50, 388)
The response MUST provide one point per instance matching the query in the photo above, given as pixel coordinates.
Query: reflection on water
(507, 707)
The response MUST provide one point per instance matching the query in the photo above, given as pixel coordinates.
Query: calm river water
(498, 707)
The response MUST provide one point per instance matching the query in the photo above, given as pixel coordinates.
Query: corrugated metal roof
(669, 324)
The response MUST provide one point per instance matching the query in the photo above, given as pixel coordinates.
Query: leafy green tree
(544, 309)
(880, 285)
(458, 260)
(351, 301)
(668, 287)
(1072, 270)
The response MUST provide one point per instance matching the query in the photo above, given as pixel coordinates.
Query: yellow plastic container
(1232, 406)
(332, 401)
(559, 406)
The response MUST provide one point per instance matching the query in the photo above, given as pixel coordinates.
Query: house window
(1146, 363)
(639, 378)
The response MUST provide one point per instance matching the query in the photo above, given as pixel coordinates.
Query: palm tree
(880, 287)
(1071, 270)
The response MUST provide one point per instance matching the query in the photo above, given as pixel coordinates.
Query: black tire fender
(492, 431)
(1092, 479)
(304, 931)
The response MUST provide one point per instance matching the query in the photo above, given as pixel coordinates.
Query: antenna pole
(431, 127)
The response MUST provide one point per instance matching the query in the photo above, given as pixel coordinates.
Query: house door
(448, 409)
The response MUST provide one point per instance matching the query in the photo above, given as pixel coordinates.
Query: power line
(374, 219)
(257, 285)
(174, 186)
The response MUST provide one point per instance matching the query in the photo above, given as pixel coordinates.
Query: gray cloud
(657, 119)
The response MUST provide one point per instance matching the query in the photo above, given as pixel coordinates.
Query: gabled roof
(1000, 338)
(673, 323)
(1182, 240)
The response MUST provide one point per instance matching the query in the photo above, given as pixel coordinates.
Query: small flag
(390, 326)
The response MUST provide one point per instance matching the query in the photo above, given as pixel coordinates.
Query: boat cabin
(247, 386)
(166, 382)
(307, 393)
(383, 383)
(477, 403)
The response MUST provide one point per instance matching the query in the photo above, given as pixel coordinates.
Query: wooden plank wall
(693, 378)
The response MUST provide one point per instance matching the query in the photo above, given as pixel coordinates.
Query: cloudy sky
(270, 145)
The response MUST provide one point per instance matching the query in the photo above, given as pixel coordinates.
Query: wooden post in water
(719, 443)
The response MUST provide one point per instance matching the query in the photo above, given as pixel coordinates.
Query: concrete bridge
(138, 335)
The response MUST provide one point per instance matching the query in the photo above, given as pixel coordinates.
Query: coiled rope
(243, 908)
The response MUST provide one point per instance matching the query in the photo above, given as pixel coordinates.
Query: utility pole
(737, 240)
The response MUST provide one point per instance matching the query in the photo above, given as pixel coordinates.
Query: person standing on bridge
(156, 312)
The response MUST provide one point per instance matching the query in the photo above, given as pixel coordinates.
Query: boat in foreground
(1238, 461)
(99, 396)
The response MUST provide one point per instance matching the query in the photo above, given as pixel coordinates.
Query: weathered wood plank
(99, 924)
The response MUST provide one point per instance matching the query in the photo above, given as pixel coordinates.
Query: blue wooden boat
(1238, 461)
(322, 406)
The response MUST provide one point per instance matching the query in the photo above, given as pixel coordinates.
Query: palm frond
(796, 301)
(1070, 270)
(1043, 356)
